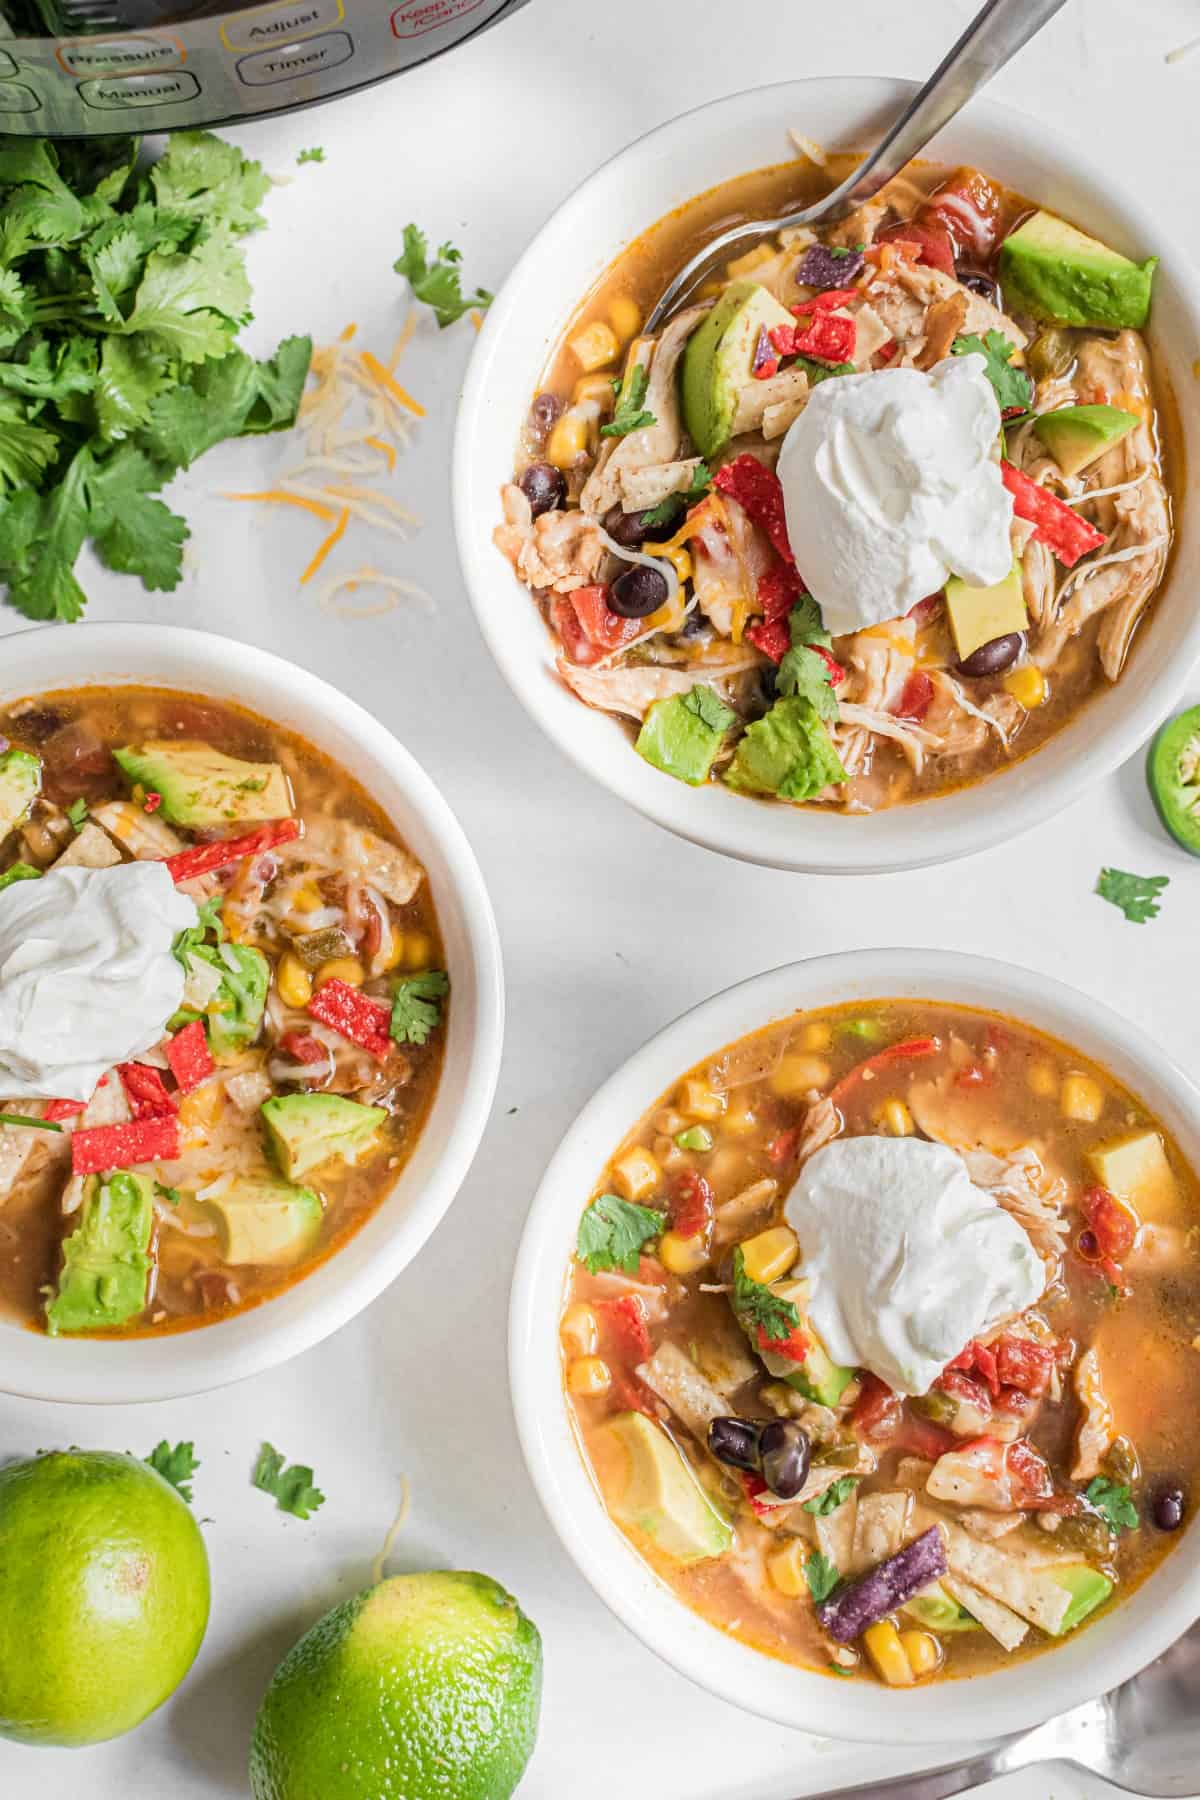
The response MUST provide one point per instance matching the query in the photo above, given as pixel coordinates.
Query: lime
(103, 1596)
(425, 1687)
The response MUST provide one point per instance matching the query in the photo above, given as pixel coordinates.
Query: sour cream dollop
(907, 1260)
(87, 978)
(890, 484)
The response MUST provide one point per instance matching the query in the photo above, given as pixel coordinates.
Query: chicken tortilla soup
(222, 999)
(880, 1340)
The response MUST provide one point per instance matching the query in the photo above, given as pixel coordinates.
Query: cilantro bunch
(122, 290)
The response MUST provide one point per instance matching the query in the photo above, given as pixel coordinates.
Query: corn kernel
(201, 1106)
(923, 1652)
(393, 956)
(341, 968)
(798, 1075)
(418, 950)
(786, 1569)
(741, 1120)
(593, 387)
(1027, 685)
(568, 441)
(883, 1646)
(307, 897)
(580, 1330)
(589, 1376)
(816, 1036)
(625, 316)
(1082, 1099)
(698, 1101)
(293, 981)
(1043, 1080)
(668, 617)
(894, 1118)
(753, 259)
(635, 1174)
(771, 1254)
(681, 1255)
(594, 346)
(667, 1120)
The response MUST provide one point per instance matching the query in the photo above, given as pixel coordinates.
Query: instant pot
(90, 68)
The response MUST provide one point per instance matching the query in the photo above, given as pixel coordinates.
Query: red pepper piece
(794, 1348)
(916, 698)
(1034, 1479)
(907, 1051)
(626, 1322)
(827, 300)
(587, 625)
(302, 1047)
(355, 1015)
(189, 1056)
(755, 1486)
(1056, 524)
(1025, 1366)
(758, 492)
(877, 1412)
(830, 338)
(782, 1147)
(63, 1109)
(105, 1147)
(930, 240)
(204, 859)
(693, 1205)
(777, 592)
(144, 1090)
(764, 365)
(978, 1359)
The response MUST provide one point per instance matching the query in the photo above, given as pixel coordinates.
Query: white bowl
(659, 172)
(188, 1362)
(1012, 1699)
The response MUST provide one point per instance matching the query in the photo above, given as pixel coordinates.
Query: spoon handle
(999, 29)
(934, 1784)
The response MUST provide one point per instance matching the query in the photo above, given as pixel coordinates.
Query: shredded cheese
(395, 587)
(326, 546)
(389, 384)
(281, 497)
(393, 1532)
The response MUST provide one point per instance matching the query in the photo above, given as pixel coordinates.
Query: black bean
(1169, 1507)
(625, 528)
(544, 487)
(979, 283)
(544, 414)
(639, 592)
(784, 1454)
(994, 657)
(735, 1442)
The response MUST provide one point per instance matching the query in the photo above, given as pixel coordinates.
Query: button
(289, 63)
(281, 24)
(16, 98)
(114, 93)
(420, 16)
(119, 56)
(7, 65)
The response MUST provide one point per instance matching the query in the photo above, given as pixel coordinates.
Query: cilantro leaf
(191, 302)
(176, 1465)
(171, 1195)
(768, 1313)
(612, 1232)
(709, 707)
(292, 1488)
(1114, 1503)
(821, 371)
(229, 396)
(40, 539)
(1012, 387)
(822, 1576)
(24, 1119)
(437, 284)
(132, 371)
(134, 533)
(832, 1498)
(1136, 895)
(26, 450)
(415, 1008)
(801, 670)
(208, 919)
(630, 414)
(668, 509)
(316, 155)
(77, 812)
(203, 177)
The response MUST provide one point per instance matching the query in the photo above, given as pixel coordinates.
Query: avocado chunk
(787, 752)
(306, 1130)
(682, 735)
(1053, 271)
(1088, 1589)
(106, 1259)
(977, 615)
(18, 871)
(235, 1012)
(937, 1610)
(718, 359)
(20, 784)
(818, 1378)
(201, 786)
(1173, 771)
(270, 1223)
(1136, 1171)
(1076, 435)
(661, 1497)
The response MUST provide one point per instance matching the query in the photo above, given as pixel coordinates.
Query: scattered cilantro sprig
(1136, 895)
(292, 1488)
(316, 154)
(612, 1232)
(823, 1504)
(822, 1576)
(631, 413)
(176, 1465)
(1114, 1503)
(1012, 387)
(668, 509)
(416, 1008)
(769, 1313)
(802, 671)
(438, 284)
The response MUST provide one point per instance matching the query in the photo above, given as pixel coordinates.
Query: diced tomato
(1013, 1402)
(827, 300)
(930, 241)
(625, 1319)
(355, 1016)
(794, 1348)
(1033, 1478)
(758, 492)
(778, 590)
(977, 1359)
(189, 1056)
(916, 698)
(588, 626)
(55, 1110)
(921, 1437)
(105, 1147)
(144, 1090)
(884, 355)
(772, 637)
(574, 639)
(782, 1147)
(152, 802)
(204, 859)
(1114, 1225)
(909, 1050)
(1023, 1365)
(302, 1047)
(877, 1412)
(1055, 523)
(967, 1389)
(967, 208)
(836, 672)
(755, 1486)
(692, 1204)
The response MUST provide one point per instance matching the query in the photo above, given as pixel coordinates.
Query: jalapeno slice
(1173, 772)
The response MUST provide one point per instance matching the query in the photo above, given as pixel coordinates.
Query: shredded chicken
(651, 444)
(945, 320)
(632, 689)
(1034, 1198)
(822, 1122)
(557, 550)
(1097, 1428)
(880, 662)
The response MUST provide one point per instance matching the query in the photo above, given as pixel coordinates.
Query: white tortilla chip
(1026, 1588)
(995, 1618)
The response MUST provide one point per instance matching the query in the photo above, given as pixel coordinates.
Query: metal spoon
(1143, 1737)
(995, 34)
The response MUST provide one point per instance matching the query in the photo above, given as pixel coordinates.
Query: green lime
(103, 1596)
(426, 1687)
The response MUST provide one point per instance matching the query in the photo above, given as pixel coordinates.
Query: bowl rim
(135, 1370)
(941, 829)
(1008, 1700)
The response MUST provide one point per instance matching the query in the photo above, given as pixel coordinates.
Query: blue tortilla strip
(851, 1609)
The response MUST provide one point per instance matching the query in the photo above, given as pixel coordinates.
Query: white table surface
(609, 925)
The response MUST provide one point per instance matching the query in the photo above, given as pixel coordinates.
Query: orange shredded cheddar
(388, 450)
(326, 546)
(278, 497)
(347, 334)
(477, 318)
(384, 379)
(401, 343)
